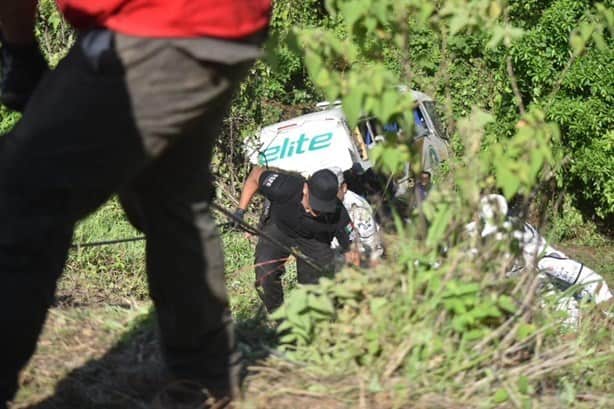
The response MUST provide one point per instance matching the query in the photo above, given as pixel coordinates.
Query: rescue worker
(304, 214)
(555, 267)
(366, 233)
(135, 107)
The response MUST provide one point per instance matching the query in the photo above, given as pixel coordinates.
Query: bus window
(392, 127)
(419, 123)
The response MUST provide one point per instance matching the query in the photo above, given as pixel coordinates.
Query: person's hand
(353, 257)
(237, 218)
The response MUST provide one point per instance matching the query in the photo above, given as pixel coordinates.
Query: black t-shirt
(285, 193)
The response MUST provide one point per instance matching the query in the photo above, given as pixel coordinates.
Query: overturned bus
(323, 139)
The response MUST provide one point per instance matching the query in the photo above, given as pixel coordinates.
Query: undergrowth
(417, 336)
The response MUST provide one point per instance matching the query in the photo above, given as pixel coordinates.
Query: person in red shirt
(23, 64)
(133, 109)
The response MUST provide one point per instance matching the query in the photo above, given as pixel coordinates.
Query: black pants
(270, 259)
(140, 120)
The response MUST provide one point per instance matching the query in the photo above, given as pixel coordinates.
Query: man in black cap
(303, 214)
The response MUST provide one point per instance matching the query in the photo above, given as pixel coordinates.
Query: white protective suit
(366, 229)
(561, 271)
(559, 267)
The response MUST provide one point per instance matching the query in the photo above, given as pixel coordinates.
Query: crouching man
(305, 215)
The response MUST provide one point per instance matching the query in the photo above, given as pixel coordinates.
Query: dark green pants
(137, 117)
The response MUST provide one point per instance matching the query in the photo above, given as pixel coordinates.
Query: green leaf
(288, 339)
(313, 62)
(296, 304)
(391, 158)
(322, 304)
(494, 10)
(322, 79)
(389, 105)
(467, 288)
(370, 24)
(351, 13)
(507, 303)
(500, 396)
(352, 104)
(474, 334)
(380, 9)
(283, 327)
(455, 306)
(460, 323)
(506, 180)
(586, 30)
(600, 42)
(497, 36)
(343, 293)
(376, 304)
(486, 311)
(577, 44)
(377, 83)
(523, 385)
(278, 314)
(373, 347)
(525, 331)
(375, 385)
(439, 225)
(458, 22)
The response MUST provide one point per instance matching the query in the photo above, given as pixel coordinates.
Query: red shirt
(170, 18)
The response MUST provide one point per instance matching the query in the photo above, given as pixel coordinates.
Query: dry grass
(93, 355)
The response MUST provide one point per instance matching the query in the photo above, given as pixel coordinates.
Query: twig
(518, 346)
(397, 358)
(228, 194)
(512, 395)
(503, 327)
(559, 82)
(510, 72)
(362, 400)
(258, 369)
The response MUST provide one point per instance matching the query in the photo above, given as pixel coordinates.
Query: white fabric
(493, 209)
(566, 303)
(366, 230)
(564, 270)
(537, 253)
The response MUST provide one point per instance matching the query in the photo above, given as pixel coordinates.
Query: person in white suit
(560, 271)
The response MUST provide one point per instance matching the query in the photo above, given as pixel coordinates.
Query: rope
(222, 226)
(105, 242)
(253, 230)
(231, 224)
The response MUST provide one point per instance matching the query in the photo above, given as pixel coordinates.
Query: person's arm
(250, 187)
(344, 230)
(344, 235)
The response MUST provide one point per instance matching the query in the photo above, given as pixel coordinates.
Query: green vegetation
(525, 88)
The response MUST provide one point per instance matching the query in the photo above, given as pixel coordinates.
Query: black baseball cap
(323, 188)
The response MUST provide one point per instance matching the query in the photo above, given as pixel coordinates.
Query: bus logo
(294, 146)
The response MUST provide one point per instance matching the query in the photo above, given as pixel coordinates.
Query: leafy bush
(441, 322)
(576, 94)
